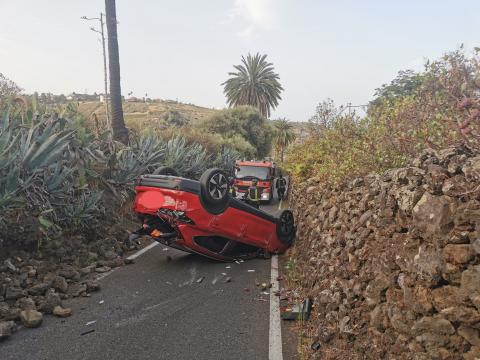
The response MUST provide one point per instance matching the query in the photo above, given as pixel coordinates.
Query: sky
(184, 49)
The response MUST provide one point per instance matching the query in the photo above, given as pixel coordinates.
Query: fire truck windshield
(258, 172)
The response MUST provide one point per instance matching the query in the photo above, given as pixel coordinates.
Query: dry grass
(139, 115)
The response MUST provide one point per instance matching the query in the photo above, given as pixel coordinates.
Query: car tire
(214, 191)
(286, 227)
(165, 170)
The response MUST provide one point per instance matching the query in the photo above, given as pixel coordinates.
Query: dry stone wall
(392, 261)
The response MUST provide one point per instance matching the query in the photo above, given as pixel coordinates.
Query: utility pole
(105, 74)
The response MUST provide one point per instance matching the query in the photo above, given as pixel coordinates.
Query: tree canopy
(254, 83)
(244, 122)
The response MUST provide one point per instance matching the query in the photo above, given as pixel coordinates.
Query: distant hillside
(139, 115)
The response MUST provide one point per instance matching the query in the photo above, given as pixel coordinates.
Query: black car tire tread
(286, 227)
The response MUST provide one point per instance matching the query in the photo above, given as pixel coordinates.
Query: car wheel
(165, 170)
(286, 227)
(214, 191)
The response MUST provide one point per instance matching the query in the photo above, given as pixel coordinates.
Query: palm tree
(284, 135)
(120, 132)
(255, 84)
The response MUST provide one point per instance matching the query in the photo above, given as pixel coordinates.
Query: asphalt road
(156, 309)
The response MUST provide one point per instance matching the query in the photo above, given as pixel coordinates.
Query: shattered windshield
(258, 172)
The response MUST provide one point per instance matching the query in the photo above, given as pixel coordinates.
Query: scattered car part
(87, 332)
(299, 311)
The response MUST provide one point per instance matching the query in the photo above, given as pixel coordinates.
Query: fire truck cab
(262, 171)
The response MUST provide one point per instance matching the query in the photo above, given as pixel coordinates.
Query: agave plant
(84, 210)
(188, 160)
(57, 170)
(37, 171)
(226, 160)
(10, 182)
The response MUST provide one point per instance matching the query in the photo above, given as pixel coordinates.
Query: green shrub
(436, 108)
(243, 122)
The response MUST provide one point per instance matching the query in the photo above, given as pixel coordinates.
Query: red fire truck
(262, 171)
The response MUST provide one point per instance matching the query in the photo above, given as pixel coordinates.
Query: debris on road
(31, 318)
(101, 302)
(90, 323)
(315, 346)
(261, 299)
(129, 261)
(92, 286)
(224, 274)
(299, 311)
(228, 279)
(87, 332)
(264, 286)
(250, 271)
(38, 285)
(200, 279)
(62, 312)
(103, 269)
(6, 329)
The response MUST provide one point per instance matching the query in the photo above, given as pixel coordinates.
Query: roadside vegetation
(434, 108)
(63, 176)
(61, 168)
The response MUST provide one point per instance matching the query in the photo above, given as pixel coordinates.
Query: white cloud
(254, 15)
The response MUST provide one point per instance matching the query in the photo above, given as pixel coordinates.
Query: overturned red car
(201, 217)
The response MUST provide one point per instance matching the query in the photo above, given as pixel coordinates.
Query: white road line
(142, 251)
(131, 257)
(275, 332)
